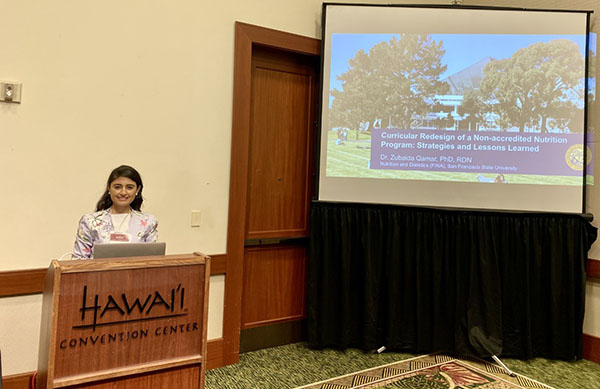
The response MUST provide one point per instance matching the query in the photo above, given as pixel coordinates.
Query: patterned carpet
(437, 371)
(296, 364)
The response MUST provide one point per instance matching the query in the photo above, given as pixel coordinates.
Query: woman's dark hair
(105, 201)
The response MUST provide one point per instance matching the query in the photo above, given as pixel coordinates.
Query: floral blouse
(96, 228)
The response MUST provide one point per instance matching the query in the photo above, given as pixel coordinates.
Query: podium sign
(126, 323)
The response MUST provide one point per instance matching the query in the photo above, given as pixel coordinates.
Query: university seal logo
(574, 156)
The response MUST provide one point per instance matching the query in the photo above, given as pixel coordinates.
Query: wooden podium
(125, 323)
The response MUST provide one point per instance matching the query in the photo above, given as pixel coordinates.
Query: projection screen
(454, 107)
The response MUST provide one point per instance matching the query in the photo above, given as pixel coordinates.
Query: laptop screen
(119, 250)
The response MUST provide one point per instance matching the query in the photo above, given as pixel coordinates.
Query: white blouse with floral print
(96, 228)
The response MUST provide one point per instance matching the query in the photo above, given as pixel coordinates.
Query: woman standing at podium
(118, 217)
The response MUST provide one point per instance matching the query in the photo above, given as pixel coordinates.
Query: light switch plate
(196, 218)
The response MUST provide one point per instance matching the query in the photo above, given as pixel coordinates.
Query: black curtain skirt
(426, 280)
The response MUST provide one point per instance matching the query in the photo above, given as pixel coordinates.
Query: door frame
(247, 36)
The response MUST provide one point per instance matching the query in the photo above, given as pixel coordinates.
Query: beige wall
(146, 83)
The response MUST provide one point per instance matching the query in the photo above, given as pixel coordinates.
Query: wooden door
(280, 183)
(274, 107)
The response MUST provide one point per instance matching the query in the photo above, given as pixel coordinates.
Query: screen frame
(320, 107)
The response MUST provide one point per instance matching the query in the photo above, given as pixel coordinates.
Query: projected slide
(486, 108)
(458, 107)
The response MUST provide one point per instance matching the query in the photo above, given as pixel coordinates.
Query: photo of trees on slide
(457, 107)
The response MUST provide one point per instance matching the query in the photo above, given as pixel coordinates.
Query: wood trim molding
(214, 353)
(593, 268)
(17, 381)
(247, 36)
(22, 282)
(591, 348)
(31, 281)
(218, 264)
(280, 40)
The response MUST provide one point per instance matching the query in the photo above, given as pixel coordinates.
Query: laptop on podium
(119, 250)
